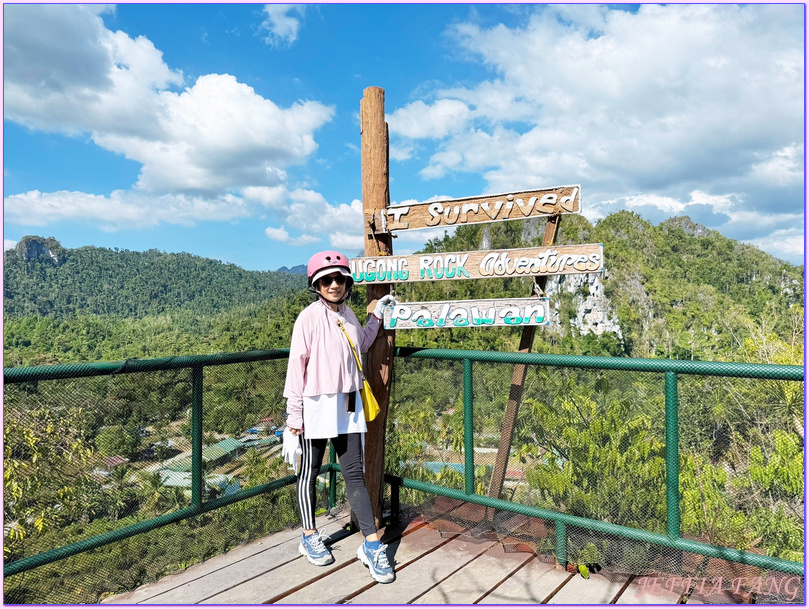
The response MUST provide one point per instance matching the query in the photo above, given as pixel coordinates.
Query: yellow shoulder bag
(369, 404)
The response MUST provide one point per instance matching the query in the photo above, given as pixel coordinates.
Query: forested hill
(676, 290)
(43, 278)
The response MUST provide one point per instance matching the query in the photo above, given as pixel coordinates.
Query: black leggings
(349, 453)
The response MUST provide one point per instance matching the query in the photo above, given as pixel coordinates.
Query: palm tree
(175, 499)
(255, 468)
(121, 492)
(151, 491)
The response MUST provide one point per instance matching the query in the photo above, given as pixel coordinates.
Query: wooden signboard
(488, 208)
(467, 313)
(530, 262)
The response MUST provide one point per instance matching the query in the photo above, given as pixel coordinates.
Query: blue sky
(231, 131)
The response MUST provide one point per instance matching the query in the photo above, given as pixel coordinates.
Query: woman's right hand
(294, 431)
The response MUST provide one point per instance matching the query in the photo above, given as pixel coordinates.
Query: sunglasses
(328, 279)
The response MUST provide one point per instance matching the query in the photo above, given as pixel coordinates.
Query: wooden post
(379, 366)
(518, 383)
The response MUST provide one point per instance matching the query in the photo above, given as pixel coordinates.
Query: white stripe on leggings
(304, 501)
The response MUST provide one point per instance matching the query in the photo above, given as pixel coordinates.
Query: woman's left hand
(291, 447)
(386, 301)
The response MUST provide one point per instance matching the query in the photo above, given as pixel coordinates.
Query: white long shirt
(322, 369)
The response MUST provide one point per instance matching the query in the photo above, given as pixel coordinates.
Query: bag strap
(353, 350)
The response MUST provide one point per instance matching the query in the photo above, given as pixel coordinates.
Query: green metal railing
(670, 368)
(196, 363)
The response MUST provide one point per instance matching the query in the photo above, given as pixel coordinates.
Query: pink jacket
(320, 358)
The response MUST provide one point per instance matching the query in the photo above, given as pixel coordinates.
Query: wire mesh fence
(592, 443)
(87, 456)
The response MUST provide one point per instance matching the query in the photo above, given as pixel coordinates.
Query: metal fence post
(672, 457)
(561, 542)
(671, 368)
(468, 429)
(196, 436)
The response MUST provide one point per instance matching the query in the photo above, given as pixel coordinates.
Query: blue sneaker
(377, 562)
(315, 550)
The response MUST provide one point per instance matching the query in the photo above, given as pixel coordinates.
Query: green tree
(44, 455)
(118, 440)
(598, 457)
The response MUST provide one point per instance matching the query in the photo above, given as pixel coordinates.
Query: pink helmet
(325, 263)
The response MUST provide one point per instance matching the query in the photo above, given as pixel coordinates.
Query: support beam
(518, 383)
(375, 199)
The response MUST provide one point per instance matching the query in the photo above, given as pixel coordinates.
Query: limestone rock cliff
(594, 312)
(32, 247)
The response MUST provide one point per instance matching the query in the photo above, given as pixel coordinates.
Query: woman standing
(323, 403)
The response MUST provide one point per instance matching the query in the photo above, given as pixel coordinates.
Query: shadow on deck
(431, 568)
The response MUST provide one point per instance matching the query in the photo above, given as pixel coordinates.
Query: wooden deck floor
(431, 568)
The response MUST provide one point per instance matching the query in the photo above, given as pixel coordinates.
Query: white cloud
(282, 23)
(670, 90)
(642, 107)
(64, 71)
(418, 120)
(219, 135)
(120, 209)
(271, 197)
(281, 235)
(213, 150)
(400, 153)
(665, 204)
(664, 109)
(308, 212)
(780, 168)
(8, 244)
(347, 242)
(474, 150)
(489, 102)
(786, 244)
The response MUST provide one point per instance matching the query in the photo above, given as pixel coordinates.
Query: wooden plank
(416, 577)
(724, 596)
(337, 587)
(475, 579)
(532, 584)
(595, 590)
(486, 264)
(487, 208)
(198, 574)
(468, 313)
(643, 591)
(244, 570)
(291, 572)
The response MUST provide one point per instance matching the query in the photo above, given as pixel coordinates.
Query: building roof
(249, 443)
(175, 478)
(228, 484)
(229, 445)
(114, 461)
(180, 465)
(212, 453)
